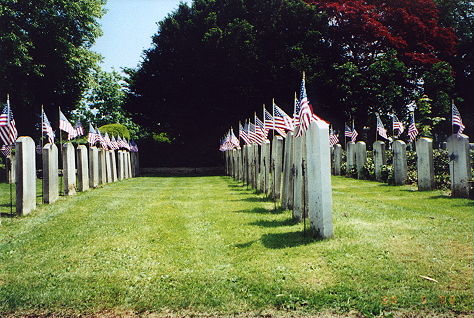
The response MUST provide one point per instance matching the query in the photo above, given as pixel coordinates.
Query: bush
(441, 169)
(368, 171)
(115, 130)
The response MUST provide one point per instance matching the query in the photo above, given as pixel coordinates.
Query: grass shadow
(274, 223)
(245, 245)
(256, 199)
(262, 211)
(8, 215)
(285, 240)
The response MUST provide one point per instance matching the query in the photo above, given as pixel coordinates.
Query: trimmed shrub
(115, 130)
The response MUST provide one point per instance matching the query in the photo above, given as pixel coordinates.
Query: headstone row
(295, 171)
(82, 169)
(459, 162)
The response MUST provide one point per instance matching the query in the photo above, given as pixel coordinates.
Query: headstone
(125, 165)
(10, 169)
(266, 166)
(361, 158)
(319, 180)
(287, 185)
(137, 164)
(93, 167)
(380, 159)
(129, 164)
(257, 165)
(25, 175)
(50, 173)
(277, 166)
(120, 163)
(102, 166)
(425, 164)
(82, 169)
(251, 165)
(350, 154)
(298, 200)
(337, 159)
(459, 165)
(400, 162)
(114, 165)
(108, 166)
(69, 169)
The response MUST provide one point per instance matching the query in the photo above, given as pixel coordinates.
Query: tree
(45, 55)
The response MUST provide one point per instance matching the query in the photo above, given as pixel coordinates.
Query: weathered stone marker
(425, 164)
(298, 200)
(460, 165)
(82, 168)
(266, 166)
(10, 169)
(400, 162)
(361, 157)
(120, 169)
(380, 159)
(350, 156)
(93, 167)
(277, 157)
(319, 180)
(113, 159)
(108, 166)
(25, 176)
(129, 164)
(102, 166)
(69, 169)
(287, 185)
(337, 153)
(50, 173)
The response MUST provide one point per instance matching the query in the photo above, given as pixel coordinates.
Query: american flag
(456, 119)
(333, 138)
(397, 124)
(101, 139)
(114, 143)
(347, 131)
(296, 112)
(92, 137)
(306, 115)
(243, 134)
(46, 127)
(108, 141)
(134, 147)
(254, 138)
(282, 120)
(233, 139)
(6, 150)
(267, 120)
(351, 133)
(380, 128)
(260, 129)
(412, 131)
(78, 128)
(8, 132)
(66, 126)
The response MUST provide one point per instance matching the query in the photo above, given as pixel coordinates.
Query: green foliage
(115, 130)
(103, 102)
(45, 54)
(162, 138)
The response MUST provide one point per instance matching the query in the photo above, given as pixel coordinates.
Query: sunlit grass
(210, 245)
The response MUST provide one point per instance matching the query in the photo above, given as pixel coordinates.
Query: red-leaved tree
(367, 28)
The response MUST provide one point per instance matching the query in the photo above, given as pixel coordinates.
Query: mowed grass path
(208, 244)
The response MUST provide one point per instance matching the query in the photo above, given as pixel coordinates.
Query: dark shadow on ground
(8, 215)
(262, 211)
(284, 240)
(274, 223)
(245, 245)
(256, 199)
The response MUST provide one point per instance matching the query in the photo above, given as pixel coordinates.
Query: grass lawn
(208, 245)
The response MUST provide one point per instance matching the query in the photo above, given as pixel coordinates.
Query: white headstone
(50, 173)
(114, 165)
(350, 155)
(298, 180)
(82, 168)
(93, 167)
(380, 159)
(425, 164)
(337, 159)
(361, 157)
(400, 162)
(277, 157)
(319, 180)
(459, 165)
(102, 166)
(69, 169)
(287, 185)
(25, 175)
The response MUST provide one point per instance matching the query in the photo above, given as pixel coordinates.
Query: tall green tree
(45, 56)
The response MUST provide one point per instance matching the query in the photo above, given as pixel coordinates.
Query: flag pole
(42, 123)
(376, 127)
(61, 152)
(11, 163)
(452, 122)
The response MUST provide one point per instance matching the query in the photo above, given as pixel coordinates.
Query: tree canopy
(216, 62)
(45, 55)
